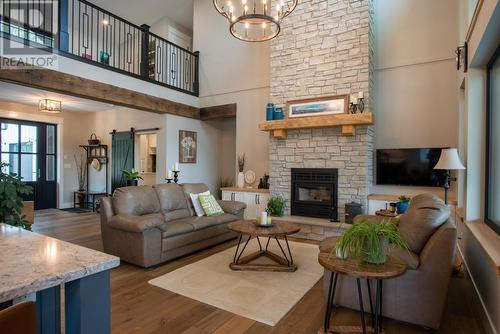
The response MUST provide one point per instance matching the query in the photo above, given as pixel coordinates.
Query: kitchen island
(31, 263)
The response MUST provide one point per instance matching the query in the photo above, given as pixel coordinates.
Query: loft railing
(84, 31)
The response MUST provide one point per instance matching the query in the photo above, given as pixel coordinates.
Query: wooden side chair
(19, 319)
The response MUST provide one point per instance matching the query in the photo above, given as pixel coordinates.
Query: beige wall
(205, 170)
(415, 77)
(471, 85)
(226, 146)
(74, 129)
(232, 71)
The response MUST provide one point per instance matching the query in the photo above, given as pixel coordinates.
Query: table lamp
(449, 160)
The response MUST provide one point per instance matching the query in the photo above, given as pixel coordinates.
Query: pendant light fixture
(255, 20)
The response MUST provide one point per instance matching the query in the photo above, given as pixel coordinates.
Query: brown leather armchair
(418, 296)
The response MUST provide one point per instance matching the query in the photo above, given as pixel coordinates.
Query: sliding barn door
(122, 157)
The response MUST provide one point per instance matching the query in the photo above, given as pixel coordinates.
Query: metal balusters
(94, 35)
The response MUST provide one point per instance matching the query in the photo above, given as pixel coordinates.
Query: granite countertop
(31, 262)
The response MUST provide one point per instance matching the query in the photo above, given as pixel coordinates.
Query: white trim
(478, 295)
(51, 119)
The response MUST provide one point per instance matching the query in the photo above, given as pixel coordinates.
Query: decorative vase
(132, 183)
(279, 114)
(270, 112)
(384, 245)
(401, 207)
(104, 57)
(81, 196)
(241, 180)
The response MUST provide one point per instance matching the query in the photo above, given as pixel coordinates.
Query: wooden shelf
(348, 122)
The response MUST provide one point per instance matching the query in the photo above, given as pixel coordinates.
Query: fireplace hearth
(314, 192)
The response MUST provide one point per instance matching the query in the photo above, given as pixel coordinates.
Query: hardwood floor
(138, 307)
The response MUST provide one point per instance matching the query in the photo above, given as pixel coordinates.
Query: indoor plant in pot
(132, 177)
(276, 206)
(241, 166)
(403, 203)
(11, 203)
(369, 241)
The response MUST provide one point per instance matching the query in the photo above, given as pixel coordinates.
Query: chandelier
(255, 20)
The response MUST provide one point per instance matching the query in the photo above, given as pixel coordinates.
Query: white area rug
(262, 296)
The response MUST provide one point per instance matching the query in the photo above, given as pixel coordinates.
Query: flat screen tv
(409, 167)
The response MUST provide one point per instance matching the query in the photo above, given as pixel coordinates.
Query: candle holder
(361, 104)
(168, 180)
(353, 107)
(176, 175)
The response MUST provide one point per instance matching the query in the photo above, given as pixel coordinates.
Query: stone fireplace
(325, 49)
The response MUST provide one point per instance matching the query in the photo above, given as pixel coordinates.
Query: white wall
(415, 77)
(232, 71)
(206, 168)
(122, 119)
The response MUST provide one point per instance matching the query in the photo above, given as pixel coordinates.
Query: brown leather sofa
(419, 295)
(149, 225)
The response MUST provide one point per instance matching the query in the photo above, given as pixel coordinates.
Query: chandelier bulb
(247, 25)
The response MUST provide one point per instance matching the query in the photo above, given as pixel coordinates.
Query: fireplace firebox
(314, 192)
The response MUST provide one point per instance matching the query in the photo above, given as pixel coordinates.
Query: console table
(90, 198)
(35, 265)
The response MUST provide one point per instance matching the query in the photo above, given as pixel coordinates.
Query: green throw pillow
(210, 205)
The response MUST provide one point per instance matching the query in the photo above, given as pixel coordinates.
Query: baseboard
(486, 321)
(66, 205)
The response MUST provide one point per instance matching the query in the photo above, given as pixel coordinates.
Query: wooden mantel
(348, 122)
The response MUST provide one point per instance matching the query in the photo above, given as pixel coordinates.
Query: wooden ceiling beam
(218, 112)
(68, 84)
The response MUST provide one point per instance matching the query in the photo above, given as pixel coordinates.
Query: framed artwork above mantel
(318, 106)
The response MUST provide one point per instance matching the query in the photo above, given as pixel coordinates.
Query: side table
(358, 269)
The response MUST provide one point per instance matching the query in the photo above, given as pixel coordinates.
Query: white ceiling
(31, 96)
(150, 11)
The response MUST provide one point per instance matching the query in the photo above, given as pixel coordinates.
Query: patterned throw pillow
(196, 203)
(210, 205)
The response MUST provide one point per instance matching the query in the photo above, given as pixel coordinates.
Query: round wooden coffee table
(357, 269)
(251, 229)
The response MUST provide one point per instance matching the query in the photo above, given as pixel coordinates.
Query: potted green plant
(369, 241)
(11, 203)
(132, 177)
(276, 206)
(403, 203)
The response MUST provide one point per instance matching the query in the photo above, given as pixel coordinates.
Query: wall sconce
(357, 103)
(49, 106)
(461, 57)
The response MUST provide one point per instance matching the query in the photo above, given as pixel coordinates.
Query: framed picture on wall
(318, 106)
(187, 147)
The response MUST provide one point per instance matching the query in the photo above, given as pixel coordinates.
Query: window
(492, 208)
